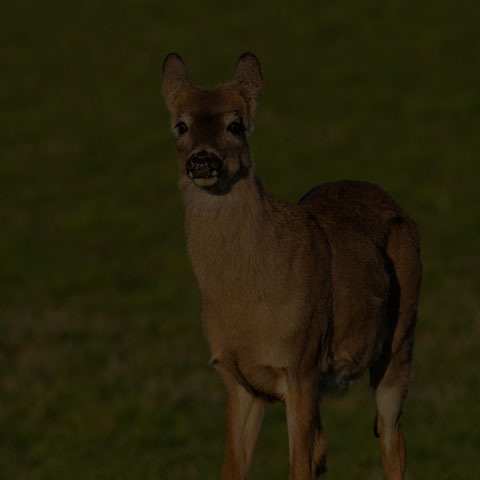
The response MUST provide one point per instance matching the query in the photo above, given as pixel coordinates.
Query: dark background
(103, 369)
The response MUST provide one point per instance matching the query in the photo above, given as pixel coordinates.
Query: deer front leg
(305, 435)
(244, 416)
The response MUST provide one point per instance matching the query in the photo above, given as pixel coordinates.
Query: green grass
(103, 369)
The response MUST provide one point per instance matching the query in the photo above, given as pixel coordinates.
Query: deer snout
(203, 165)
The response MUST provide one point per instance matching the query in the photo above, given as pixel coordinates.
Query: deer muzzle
(203, 168)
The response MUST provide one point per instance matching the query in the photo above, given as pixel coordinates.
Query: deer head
(211, 126)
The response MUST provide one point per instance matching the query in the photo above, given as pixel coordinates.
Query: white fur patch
(205, 182)
(389, 404)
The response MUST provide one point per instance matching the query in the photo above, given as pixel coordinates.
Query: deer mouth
(206, 182)
(204, 171)
(203, 177)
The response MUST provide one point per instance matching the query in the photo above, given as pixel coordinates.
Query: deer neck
(224, 235)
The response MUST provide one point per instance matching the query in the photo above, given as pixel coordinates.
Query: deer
(298, 299)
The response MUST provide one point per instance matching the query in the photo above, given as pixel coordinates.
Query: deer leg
(392, 442)
(305, 436)
(390, 392)
(244, 416)
(391, 375)
(319, 457)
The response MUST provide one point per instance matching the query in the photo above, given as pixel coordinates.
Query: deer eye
(181, 128)
(236, 128)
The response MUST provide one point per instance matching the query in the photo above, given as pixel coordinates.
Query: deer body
(297, 299)
(255, 302)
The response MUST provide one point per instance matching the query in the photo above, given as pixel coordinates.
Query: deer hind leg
(390, 378)
(392, 442)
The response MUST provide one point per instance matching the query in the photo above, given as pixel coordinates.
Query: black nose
(203, 164)
(204, 159)
(201, 161)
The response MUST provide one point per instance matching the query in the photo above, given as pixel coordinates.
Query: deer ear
(248, 79)
(175, 78)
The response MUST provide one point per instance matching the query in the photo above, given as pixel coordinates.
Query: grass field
(103, 369)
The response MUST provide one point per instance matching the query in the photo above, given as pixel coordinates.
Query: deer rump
(371, 241)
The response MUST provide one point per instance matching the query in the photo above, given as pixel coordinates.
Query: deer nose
(203, 164)
(204, 158)
(200, 161)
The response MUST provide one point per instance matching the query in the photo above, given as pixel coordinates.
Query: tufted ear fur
(248, 79)
(175, 78)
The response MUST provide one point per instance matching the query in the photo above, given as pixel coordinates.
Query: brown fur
(298, 299)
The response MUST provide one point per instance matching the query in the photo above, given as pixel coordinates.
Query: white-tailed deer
(298, 298)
